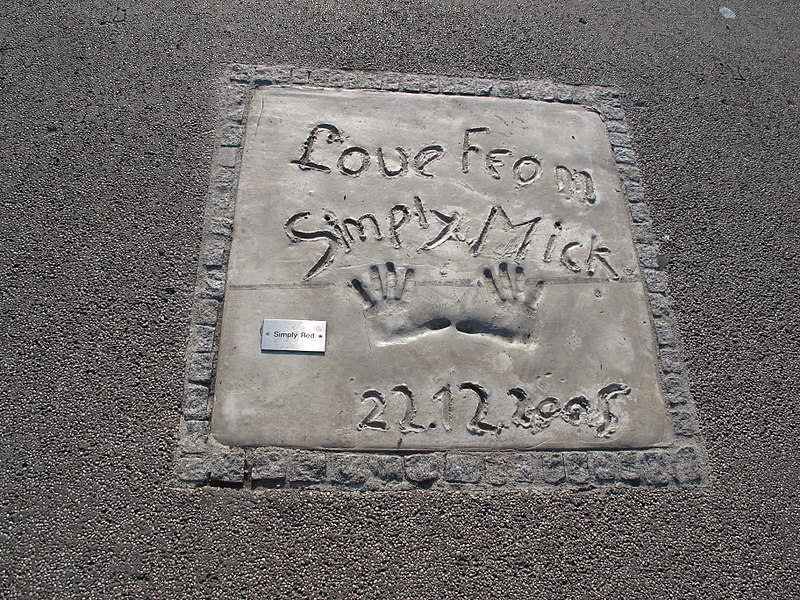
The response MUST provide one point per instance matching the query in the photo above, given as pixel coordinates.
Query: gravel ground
(107, 112)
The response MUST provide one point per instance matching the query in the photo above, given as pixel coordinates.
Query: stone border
(203, 461)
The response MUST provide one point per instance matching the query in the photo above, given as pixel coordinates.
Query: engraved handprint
(385, 299)
(508, 309)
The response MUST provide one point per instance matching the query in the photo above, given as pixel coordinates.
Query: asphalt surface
(107, 113)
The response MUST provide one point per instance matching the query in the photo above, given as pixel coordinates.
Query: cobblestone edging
(203, 461)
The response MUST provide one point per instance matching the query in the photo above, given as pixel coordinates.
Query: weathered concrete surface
(107, 117)
(466, 252)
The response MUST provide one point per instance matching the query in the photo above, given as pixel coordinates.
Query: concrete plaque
(473, 259)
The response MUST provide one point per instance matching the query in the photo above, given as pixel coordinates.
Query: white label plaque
(293, 336)
(476, 256)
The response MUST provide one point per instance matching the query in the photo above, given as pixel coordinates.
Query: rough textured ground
(107, 111)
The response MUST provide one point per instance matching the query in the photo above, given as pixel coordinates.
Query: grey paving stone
(639, 212)
(206, 312)
(411, 83)
(222, 179)
(463, 468)
(527, 467)
(220, 200)
(345, 80)
(391, 81)
(226, 157)
(193, 437)
(241, 72)
(198, 369)
(464, 87)
(422, 468)
(483, 87)
(429, 84)
(387, 469)
(268, 465)
(676, 390)
(505, 89)
(319, 76)
(576, 467)
(300, 75)
(496, 469)
(266, 75)
(624, 156)
(670, 360)
(684, 423)
(349, 469)
(629, 173)
(613, 114)
(647, 256)
(635, 195)
(604, 465)
(525, 89)
(619, 139)
(656, 468)
(235, 113)
(213, 256)
(192, 470)
(630, 467)
(665, 335)
(659, 305)
(617, 126)
(656, 282)
(226, 466)
(213, 286)
(196, 403)
(220, 226)
(687, 468)
(643, 233)
(307, 468)
(231, 135)
(199, 366)
(553, 468)
(371, 82)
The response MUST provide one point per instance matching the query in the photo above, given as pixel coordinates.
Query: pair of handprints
(506, 309)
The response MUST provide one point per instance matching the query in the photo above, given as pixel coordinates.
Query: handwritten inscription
(354, 160)
(533, 413)
(446, 226)
(501, 162)
(498, 233)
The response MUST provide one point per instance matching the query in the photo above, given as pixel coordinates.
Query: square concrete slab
(474, 262)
